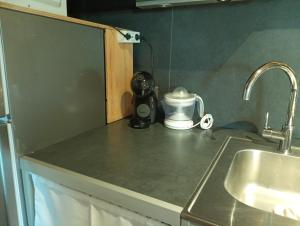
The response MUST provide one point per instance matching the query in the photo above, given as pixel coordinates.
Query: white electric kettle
(179, 107)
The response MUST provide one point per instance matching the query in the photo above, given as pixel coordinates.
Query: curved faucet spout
(264, 68)
(286, 133)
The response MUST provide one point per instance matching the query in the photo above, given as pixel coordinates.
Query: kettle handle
(200, 105)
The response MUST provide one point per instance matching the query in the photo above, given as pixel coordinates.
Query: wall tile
(215, 48)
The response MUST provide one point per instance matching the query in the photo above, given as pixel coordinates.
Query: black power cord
(127, 35)
(137, 37)
(143, 39)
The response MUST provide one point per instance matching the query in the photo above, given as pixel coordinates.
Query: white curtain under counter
(56, 205)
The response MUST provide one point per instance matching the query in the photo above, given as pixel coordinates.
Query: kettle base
(138, 123)
(179, 125)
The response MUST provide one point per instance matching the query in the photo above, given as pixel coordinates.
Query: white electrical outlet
(126, 36)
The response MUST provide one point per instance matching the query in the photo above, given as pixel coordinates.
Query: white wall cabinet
(56, 205)
(51, 6)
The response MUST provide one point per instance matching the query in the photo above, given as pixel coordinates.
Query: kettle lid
(180, 94)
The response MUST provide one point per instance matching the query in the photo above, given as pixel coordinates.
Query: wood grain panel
(119, 71)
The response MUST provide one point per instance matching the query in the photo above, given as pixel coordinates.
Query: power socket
(128, 36)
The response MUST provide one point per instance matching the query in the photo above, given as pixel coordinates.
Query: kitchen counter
(163, 165)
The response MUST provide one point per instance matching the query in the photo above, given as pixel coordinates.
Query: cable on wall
(127, 36)
(171, 47)
(144, 40)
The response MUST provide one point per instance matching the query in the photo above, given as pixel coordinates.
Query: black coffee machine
(144, 100)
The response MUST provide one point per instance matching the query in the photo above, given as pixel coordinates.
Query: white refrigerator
(52, 88)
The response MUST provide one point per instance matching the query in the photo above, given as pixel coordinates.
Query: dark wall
(75, 8)
(213, 49)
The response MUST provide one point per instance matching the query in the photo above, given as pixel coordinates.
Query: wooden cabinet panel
(119, 71)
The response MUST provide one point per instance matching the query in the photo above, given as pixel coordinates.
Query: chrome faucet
(285, 135)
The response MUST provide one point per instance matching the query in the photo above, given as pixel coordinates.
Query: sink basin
(266, 181)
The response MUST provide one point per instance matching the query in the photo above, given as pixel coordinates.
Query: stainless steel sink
(246, 186)
(266, 181)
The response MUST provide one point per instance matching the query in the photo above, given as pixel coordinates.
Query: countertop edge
(143, 204)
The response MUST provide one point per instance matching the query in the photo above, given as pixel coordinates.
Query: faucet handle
(267, 121)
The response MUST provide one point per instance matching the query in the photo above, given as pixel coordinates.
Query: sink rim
(223, 208)
(263, 187)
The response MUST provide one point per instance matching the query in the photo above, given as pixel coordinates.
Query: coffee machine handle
(200, 105)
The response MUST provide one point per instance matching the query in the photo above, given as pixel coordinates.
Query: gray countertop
(158, 162)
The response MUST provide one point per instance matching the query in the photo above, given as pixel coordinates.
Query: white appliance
(179, 107)
(52, 6)
(42, 100)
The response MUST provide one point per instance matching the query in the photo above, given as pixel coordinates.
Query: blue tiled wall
(214, 49)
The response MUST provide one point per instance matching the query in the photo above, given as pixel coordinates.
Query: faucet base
(284, 136)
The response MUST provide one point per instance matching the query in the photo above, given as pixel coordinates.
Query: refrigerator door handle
(5, 119)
